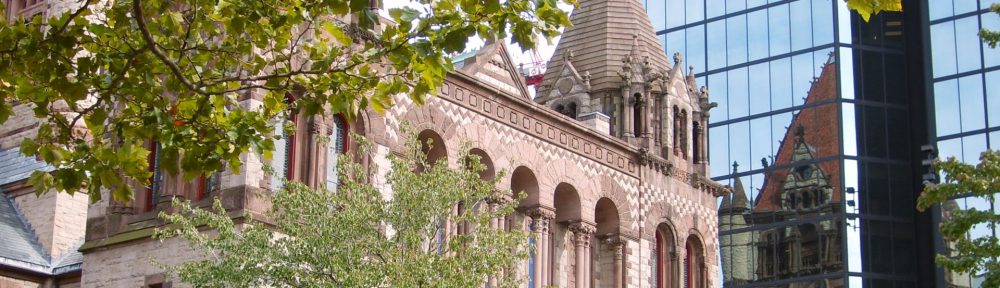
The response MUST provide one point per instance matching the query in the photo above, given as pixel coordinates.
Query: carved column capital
(582, 232)
(542, 216)
(541, 212)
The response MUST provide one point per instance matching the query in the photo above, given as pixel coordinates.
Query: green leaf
(454, 41)
(6, 110)
(338, 34)
(41, 181)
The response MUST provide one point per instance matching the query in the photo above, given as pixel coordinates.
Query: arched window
(683, 133)
(696, 142)
(571, 110)
(283, 158)
(336, 147)
(155, 181)
(207, 184)
(807, 200)
(688, 273)
(637, 115)
(665, 262)
(809, 250)
(694, 266)
(677, 131)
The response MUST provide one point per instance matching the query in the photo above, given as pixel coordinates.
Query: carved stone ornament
(582, 232)
(539, 212)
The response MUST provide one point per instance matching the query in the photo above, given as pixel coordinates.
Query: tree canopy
(867, 8)
(106, 78)
(989, 36)
(432, 230)
(967, 253)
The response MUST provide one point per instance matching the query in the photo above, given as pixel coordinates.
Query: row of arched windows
(162, 184)
(666, 267)
(285, 162)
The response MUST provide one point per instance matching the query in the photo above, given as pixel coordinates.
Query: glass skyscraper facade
(965, 87)
(820, 122)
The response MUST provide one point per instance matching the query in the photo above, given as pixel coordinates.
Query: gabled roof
(492, 65)
(818, 138)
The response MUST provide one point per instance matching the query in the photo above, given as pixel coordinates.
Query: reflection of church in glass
(791, 233)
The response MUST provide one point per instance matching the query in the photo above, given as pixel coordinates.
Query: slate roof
(459, 59)
(15, 167)
(69, 262)
(19, 246)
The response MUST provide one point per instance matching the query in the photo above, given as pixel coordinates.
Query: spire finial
(736, 167)
(800, 133)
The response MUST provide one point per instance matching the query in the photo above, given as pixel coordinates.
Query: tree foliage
(968, 255)
(357, 236)
(989, 36)
(867, 8)
(106, 77)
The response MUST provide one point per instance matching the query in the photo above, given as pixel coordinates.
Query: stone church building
(612, 155)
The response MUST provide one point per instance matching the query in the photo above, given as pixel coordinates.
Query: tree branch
(152, 46)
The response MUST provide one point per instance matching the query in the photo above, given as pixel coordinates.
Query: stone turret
(610, 65)
(737, 250)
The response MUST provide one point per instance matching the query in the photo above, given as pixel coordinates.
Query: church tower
(738, 249)
(610, 72)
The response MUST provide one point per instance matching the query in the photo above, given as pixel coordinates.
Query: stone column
(617, 245)
(703, 270)
(491, 280)
(627, 125)
(582, 232)
(541, 216)
(674, 280)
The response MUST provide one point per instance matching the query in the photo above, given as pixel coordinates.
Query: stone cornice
(540, 122)
(666, 167)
